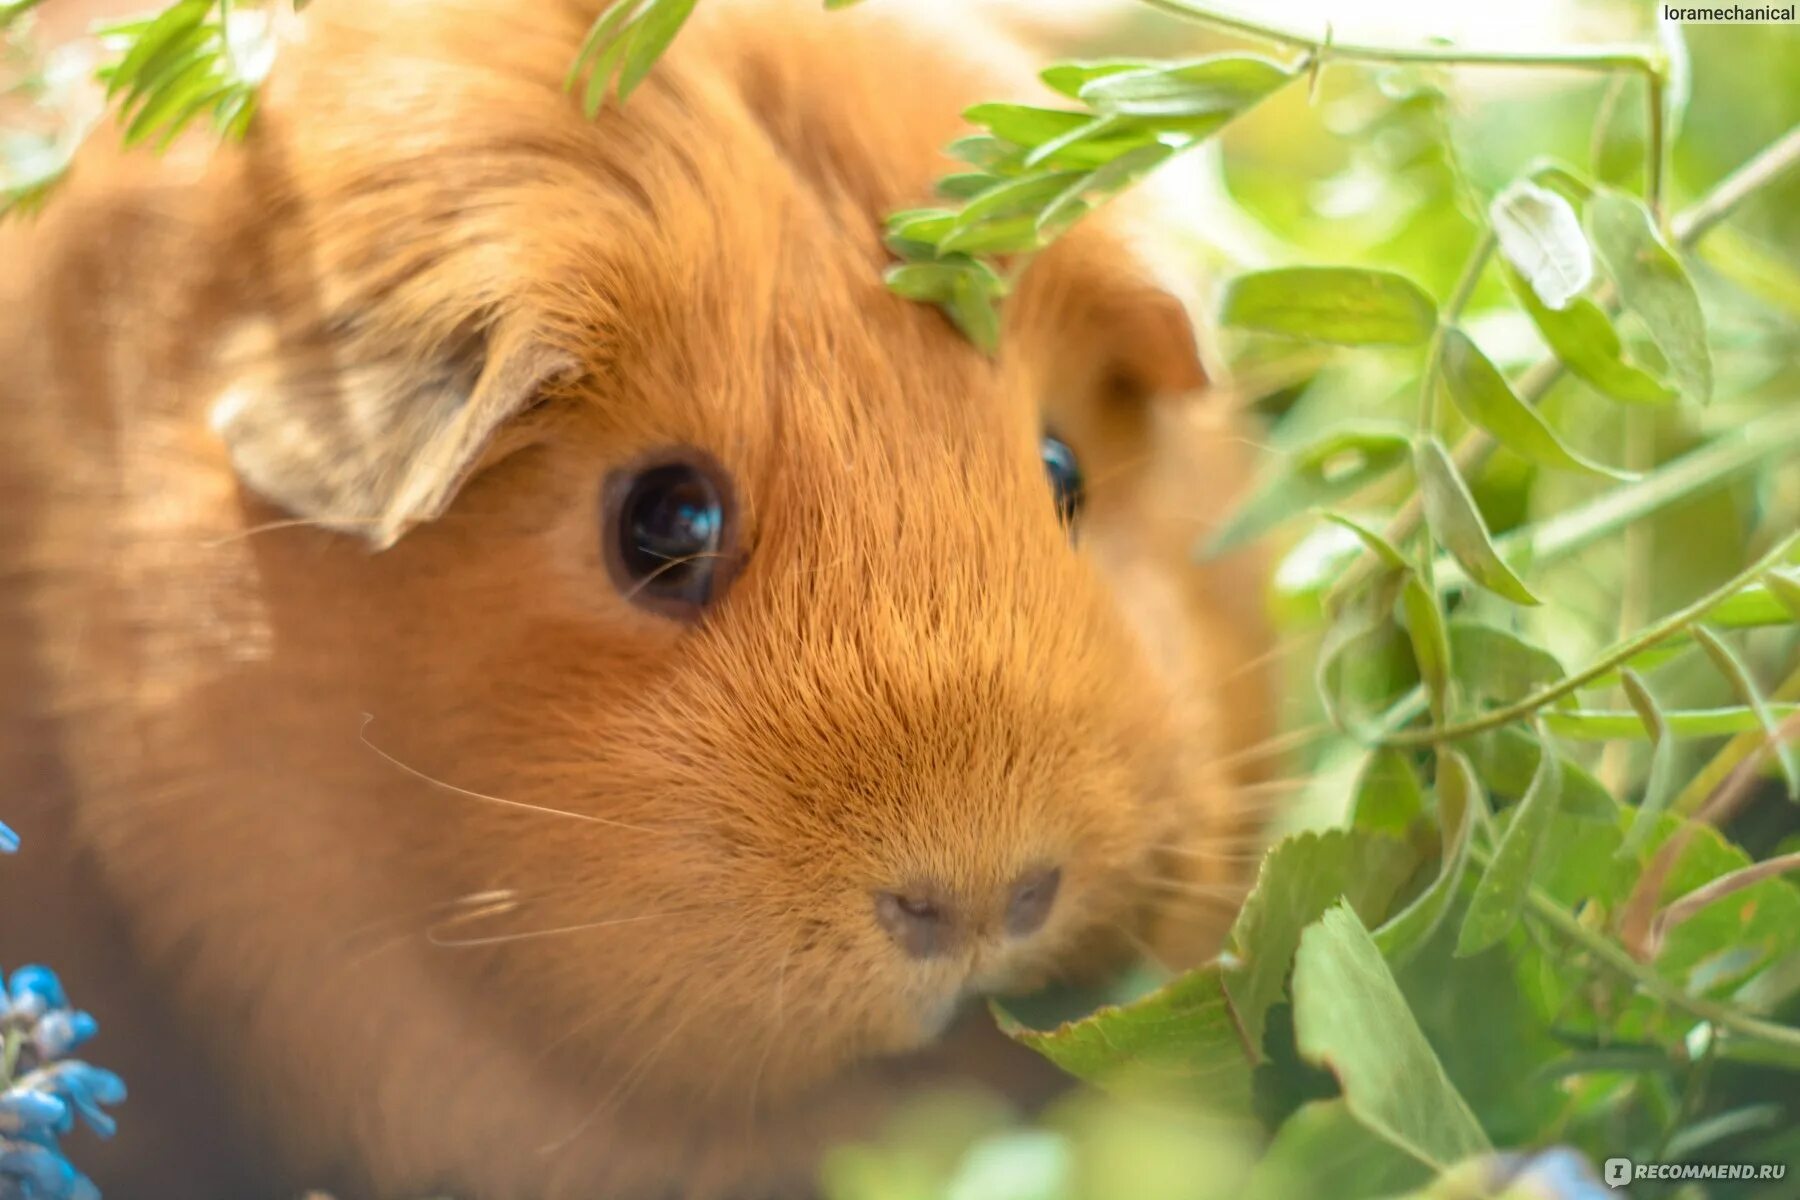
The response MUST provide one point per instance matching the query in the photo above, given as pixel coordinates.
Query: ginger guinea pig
(530, 674)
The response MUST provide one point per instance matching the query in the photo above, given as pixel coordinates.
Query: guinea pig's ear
(374, 444)
(1149, 336)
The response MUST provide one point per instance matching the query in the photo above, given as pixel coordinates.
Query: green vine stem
(1596, 58)
(1687, 228)
(1620, 653)
(1783, 1038)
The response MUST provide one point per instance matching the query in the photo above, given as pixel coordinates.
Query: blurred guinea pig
(529, 674)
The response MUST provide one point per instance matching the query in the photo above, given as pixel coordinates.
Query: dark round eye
(1065, 478)
(668, 534)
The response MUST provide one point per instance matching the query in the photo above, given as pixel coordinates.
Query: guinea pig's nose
(925, 925)
(1033, 894)
(920, 926)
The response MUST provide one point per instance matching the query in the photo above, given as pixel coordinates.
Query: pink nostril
(1032, 898)
(918, 925)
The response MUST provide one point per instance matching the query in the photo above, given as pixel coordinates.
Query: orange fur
(425, 269)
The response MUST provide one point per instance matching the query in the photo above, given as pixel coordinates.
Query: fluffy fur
(625, 945)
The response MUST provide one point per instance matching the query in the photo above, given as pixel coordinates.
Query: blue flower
(29, 1171)
(50, 1092)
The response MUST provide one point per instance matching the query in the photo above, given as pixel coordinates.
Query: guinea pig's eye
(1065, 478)
(669, 534)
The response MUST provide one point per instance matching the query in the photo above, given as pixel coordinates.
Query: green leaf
(1738, 675)
(1322, 1151)
(173, 23)
(1430, 642)
(1218, 86)
(1500, 893)
(601, 35)
(1456, 523)
(1482, 394)
(1100, 184)
(1498, 665)
(1069, 77)
(1584, 339)
(1298, 880)
(1335, 464)
(650, 35)
(986, 151)
(1093, 143)
(1378, 545)
(928, 281)
(1659, 786)
(1368, 615)
(971, 306)
(1540, 235)
(1459, 796)
(1506, 760)
(1004, 235)
(1012, 197)
(1346, 305)
(1350, 1018)
(1183, 1034)
(1387, 797)
(965, 185)
(1653, 284)
(1784, 590)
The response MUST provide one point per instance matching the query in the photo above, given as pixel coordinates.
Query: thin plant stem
(1594, 58)
(1620, 653)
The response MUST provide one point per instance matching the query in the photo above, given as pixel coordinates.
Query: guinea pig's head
(755, 668)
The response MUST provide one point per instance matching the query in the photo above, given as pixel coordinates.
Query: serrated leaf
(1456, 522)
(1182, 1034)
(1348, 306)
(1299, 878)
(1498, 665)
(1540, 235)
(1458, 795)
(1653, 284)
(1350, 1018)
(1500, 893)
(1430, 642)
(1335, 464)
(1744, 684)
(1387, 797)
(650, 35)
(1481, 393)
(1659, 786)
(1219, 86)
(1585, 341)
